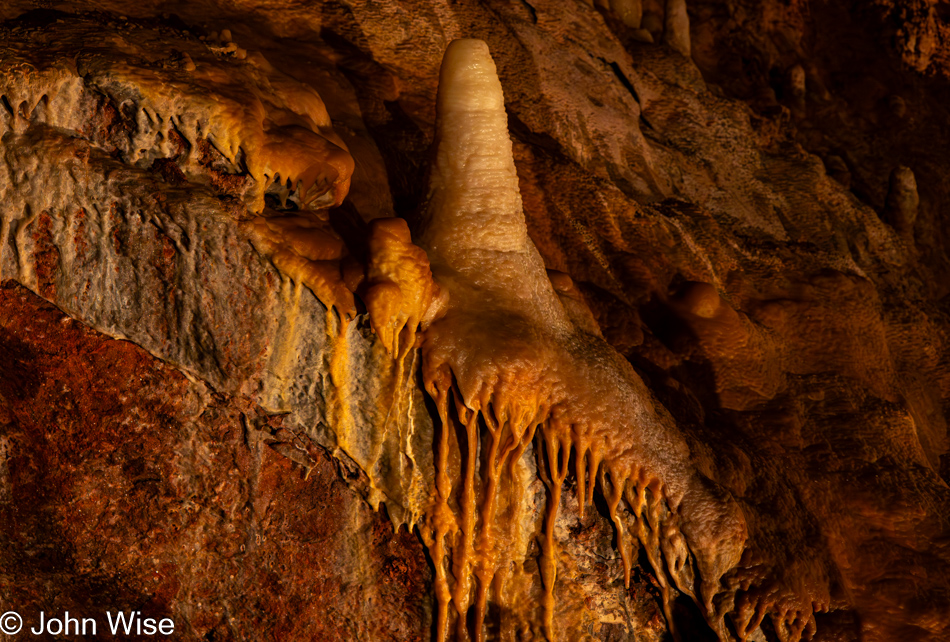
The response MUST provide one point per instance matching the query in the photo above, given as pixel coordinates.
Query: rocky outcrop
(758, 227)
(127, 486)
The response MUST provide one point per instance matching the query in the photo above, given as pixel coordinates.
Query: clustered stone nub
(666, 17)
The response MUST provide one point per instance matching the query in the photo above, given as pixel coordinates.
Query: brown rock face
(750, 197)
(127, 487)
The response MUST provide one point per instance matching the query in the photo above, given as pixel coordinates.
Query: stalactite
(508, 353)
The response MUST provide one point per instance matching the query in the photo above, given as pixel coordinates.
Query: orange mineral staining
(512, 353)
(306, 249)
(264, 123)
(399, 287)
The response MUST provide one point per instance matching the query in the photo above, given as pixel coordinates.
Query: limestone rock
(799, 342)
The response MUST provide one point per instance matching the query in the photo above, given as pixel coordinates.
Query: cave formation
(634, 328)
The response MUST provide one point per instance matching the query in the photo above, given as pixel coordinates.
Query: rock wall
(755, 214)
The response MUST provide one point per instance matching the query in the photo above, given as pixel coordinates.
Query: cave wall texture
(204, 416)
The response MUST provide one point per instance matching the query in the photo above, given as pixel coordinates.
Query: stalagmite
(795, 87)
(508, 355)
(900, 208)
(473, 222)
(676, 26)
(168, 190)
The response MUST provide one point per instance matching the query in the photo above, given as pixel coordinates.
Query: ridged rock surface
(731, 218)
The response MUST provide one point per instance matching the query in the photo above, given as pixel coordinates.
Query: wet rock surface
(735, 229)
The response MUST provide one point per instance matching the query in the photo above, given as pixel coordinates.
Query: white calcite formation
(504, 362)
